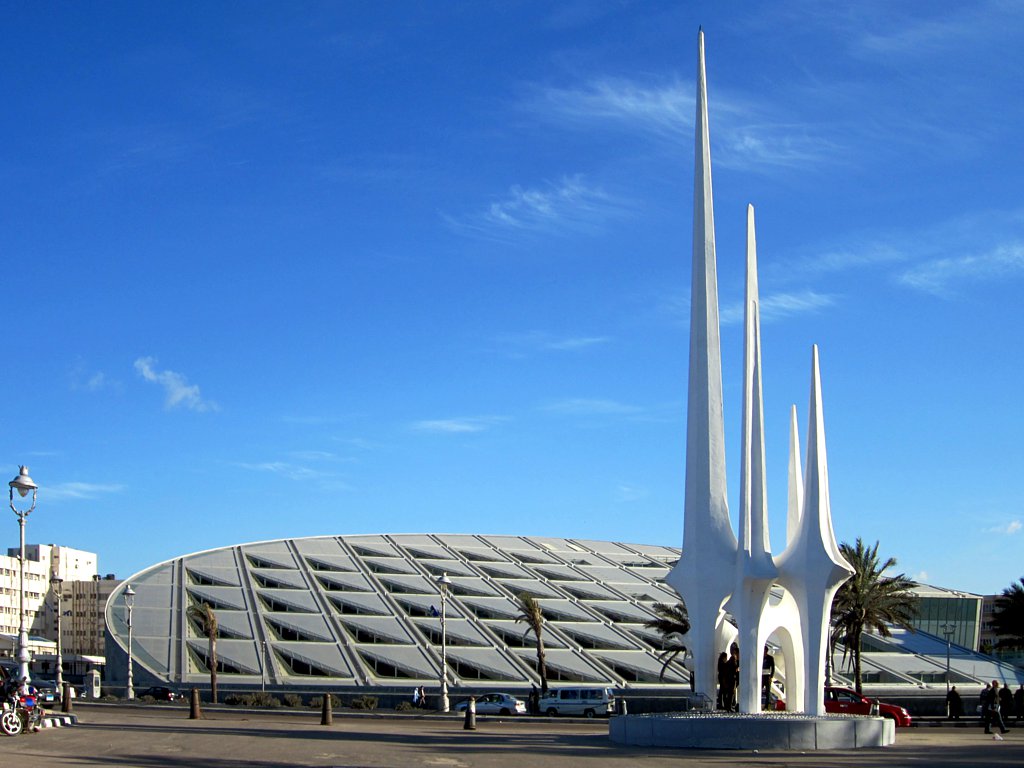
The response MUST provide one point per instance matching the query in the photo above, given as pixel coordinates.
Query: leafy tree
(869, 601)
(672, 622)
(1008, 618)
(531, 614)
(204, 616)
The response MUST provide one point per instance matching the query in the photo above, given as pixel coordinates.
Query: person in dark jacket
(995, 717)
(1006, 703)
(954, 705)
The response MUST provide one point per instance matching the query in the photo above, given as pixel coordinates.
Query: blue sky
(295, 269)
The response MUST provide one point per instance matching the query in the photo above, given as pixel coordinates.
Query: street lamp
(58, 589)
(129, 602)
(23, 485)
(443, 583)
(947, 630)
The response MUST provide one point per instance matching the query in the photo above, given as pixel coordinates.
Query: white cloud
(73, 490)
(569, 204)
(938, 275)
(780, 305)
(282, 468)
(547, 342)
(581, 406)
(921, 577)
(745, 132)
(177, 390)
(1008, 529)
(457, 425)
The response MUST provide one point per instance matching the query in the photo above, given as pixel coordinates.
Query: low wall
(777, 731)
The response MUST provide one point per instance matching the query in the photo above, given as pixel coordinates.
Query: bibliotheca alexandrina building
(363, 612)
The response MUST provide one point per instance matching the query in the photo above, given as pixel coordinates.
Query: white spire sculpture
(717, 572)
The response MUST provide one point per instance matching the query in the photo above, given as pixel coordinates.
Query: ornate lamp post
(129, 603)
(23, 485)
(58, 589)
(443, 583)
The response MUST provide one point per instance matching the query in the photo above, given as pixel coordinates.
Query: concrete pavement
(152, 735)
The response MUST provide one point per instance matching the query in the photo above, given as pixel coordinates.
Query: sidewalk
(152, 736)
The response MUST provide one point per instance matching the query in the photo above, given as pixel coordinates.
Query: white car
(496, 704)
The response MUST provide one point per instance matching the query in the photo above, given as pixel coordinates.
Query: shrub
(259, 699)
(293, 700)
(364, 702)
(317, 702)
(404, 706)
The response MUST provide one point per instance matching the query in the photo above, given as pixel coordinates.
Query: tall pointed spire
(755, 569)
(753, 491)
(708, 538)
(796, 480)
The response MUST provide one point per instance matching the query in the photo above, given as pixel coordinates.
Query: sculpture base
(721, 730)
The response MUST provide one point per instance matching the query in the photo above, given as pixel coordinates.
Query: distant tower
(717, 572)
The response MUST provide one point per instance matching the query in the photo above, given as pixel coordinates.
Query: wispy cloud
(779, 306)
(939, 275)
(747, 133)
(582, 406)
(1007, 529)
(921, 577)
(62, 491)
(85, 379)
(284, 469)
(177, 390)
(566, 205)
(542, 341)
(627, 494)
(457, 425)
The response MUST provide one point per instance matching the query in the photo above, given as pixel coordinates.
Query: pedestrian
(534, 700)
(983, 704)
(767, 673)
(723, 657)
(954, 706)
(1018, 702)
(416, 698)
(995, 717)
(423, 698)
(1006, 703)
(734, 663)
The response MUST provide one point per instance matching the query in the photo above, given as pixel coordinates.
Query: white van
(589, 702)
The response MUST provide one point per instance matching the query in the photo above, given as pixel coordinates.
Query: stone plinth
(738, 731)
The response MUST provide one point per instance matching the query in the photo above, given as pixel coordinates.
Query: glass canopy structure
(361, 612)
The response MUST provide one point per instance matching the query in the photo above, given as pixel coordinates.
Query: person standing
(767, 673)
(1005, 703)
(954, 706)
(1018, 701)
(723, 657)
(994, 715)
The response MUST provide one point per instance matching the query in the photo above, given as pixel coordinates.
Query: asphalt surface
(163, 735)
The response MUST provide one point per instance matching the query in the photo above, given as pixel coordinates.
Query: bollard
(65, 697)
(194, 711)
(470, 722)
(326, 714)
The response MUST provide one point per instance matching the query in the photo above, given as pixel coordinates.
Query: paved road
(154, 735)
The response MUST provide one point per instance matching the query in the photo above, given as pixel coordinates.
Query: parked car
(589, 702)
(46, 691)
(495, 704)
(160, 693)
(846, 701)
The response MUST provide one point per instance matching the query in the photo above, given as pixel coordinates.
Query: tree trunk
(541, 667)
(213, 669)
(857, 683)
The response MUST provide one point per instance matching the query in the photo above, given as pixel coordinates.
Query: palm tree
(672, 622)
(1008, 618)
(869, 601)
(531, 614)
(204, 616)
